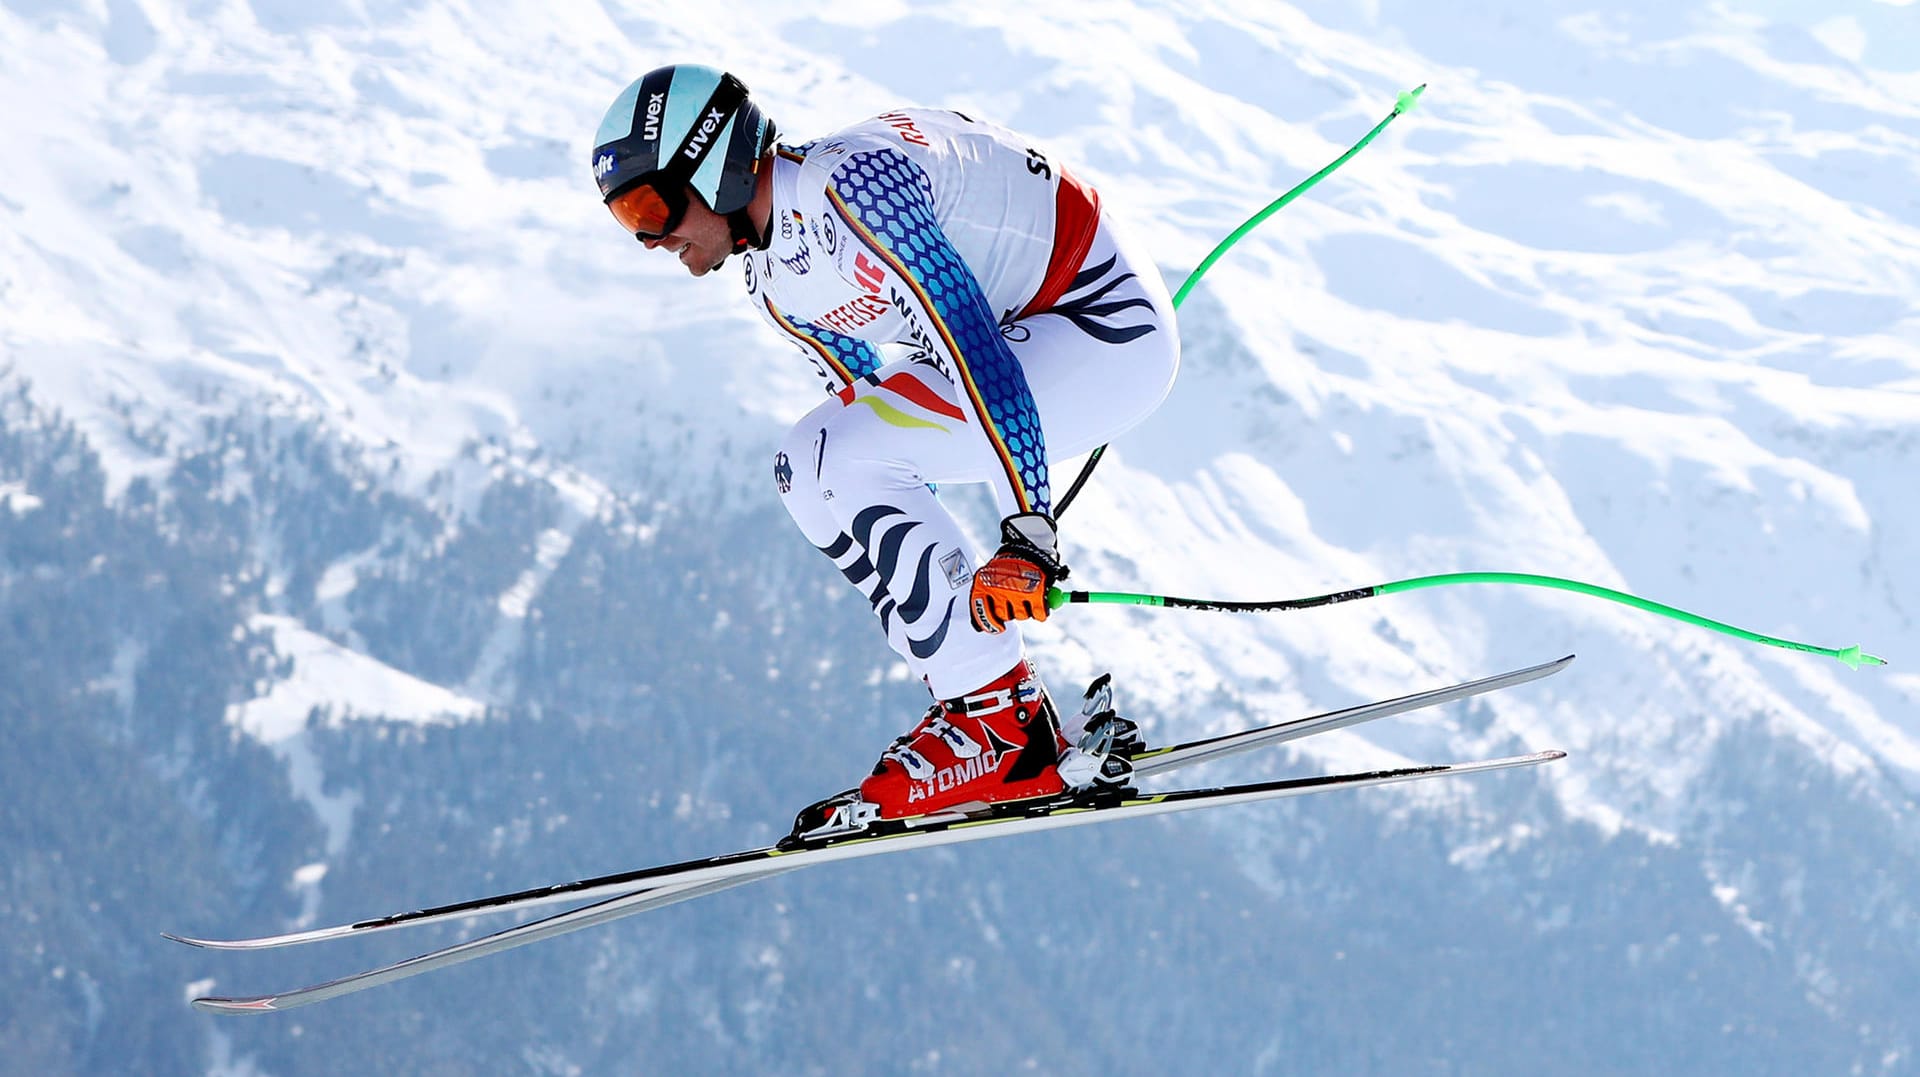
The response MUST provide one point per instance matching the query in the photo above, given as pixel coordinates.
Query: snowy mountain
(379, 527)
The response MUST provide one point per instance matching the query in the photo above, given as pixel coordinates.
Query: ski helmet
(686, 125)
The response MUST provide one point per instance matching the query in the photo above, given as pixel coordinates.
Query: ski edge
(776, 863)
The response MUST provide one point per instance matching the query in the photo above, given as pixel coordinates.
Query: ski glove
(1012, 585)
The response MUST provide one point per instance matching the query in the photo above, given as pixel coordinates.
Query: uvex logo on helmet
(656, 104)
(698, 143)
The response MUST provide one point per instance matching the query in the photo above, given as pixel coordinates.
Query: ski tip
(203, 944)
(1529, 760)
(232, 1006)
(1548, 669)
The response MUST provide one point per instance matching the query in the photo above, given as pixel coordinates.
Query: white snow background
(1629, 298)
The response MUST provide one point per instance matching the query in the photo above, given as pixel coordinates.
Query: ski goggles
(648, 211)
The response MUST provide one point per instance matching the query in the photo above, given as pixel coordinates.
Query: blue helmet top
(689, 122)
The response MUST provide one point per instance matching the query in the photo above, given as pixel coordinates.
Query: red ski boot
(997, 744)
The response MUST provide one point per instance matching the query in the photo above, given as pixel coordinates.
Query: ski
(1146, 764)
(697, 878)
(1158, 760)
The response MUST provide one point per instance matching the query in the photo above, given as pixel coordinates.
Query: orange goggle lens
(644, 211)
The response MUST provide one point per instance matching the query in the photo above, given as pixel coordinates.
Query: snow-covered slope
(1630, 298)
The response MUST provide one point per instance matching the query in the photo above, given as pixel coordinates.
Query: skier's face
(702, 239)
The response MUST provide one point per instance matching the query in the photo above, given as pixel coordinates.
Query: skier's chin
(700, 269)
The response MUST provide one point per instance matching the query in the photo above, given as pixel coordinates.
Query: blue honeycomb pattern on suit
(859, 357)
(890, 197)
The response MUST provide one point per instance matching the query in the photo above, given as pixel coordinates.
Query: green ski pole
(1405, 103)
(1853, 656)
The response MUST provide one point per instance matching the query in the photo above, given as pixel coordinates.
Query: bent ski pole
(1853, 656)
(1405, 103)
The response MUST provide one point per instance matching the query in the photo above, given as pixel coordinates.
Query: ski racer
(974, 314)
